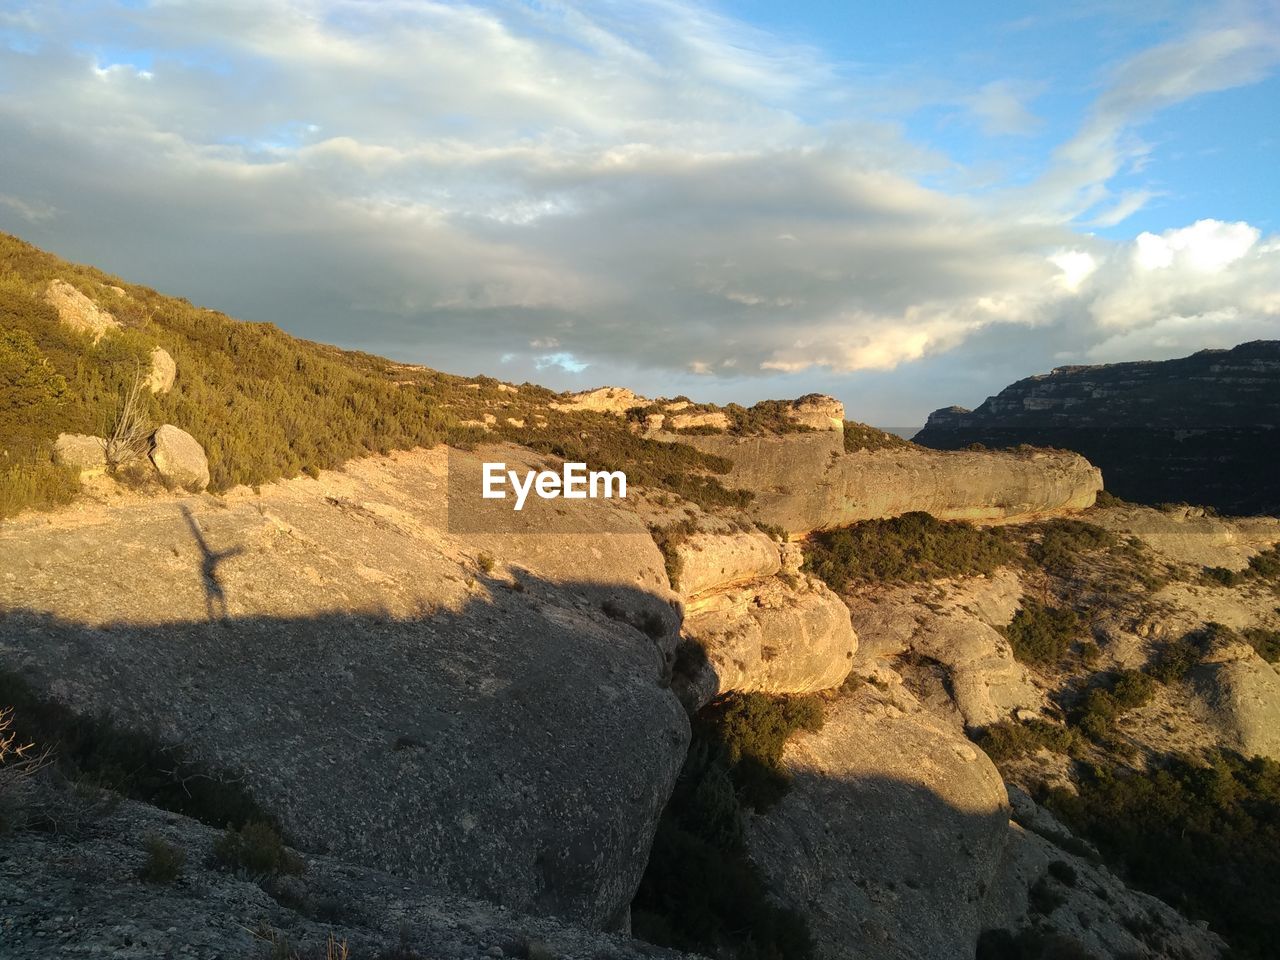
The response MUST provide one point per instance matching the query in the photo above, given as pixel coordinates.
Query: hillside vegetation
(265, 405)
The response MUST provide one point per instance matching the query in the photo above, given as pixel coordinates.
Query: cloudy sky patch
(674, 196)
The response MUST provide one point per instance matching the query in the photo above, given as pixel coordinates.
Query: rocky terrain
(783, 700)
(1203, 429)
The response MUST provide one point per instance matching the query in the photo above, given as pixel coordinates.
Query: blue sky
(904, 205)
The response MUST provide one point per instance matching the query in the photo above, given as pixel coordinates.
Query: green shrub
(1040, 634)
(1263, 566)
(912, 547)
(1063, 541)
(1106, 499)
(701, 891)
(1202, 836)
(859, 436)
(668, 540)
(1009, 739)
(164, 861)
(257, 849)
(1265, 642)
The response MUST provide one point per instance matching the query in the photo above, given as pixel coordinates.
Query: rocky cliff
(1202, 429)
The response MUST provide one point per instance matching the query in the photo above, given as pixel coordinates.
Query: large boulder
(708, 560)
(775, 635)
(78, 312)
(890, 835)
(162, 373)
(817, 412)
(179, 459)
(476, 721)
(80, 451)
(1238, 694)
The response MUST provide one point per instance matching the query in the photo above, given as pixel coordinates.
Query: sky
(906, 205)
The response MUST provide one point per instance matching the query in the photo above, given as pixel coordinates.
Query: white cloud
(615, 183)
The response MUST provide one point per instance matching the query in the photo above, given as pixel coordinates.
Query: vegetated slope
(264, 404)
(1200, 429)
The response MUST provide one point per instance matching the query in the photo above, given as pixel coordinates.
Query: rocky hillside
(785, 700)
(1202, 429)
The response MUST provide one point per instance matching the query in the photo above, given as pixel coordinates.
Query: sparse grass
(909, 548)
(668, 540)
(1063, 541)
(1263, 566)
(164, 861)
(257, 849)
(485, 562)
(1265, 642)
(20, 761)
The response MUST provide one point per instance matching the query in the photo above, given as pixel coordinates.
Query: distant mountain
(1202, 429)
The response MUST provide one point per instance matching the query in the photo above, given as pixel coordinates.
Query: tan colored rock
(767, 635)
(1240, 697)
(818, 412)
(710, 560)
(890, 835)
(79, 450)
(955, 625)
(163, 371)
(179, 459)
(616, 400)
(78, 312)
(654, 421)
(516, 422)
(685, 421)
(805, 481)
(507, 388)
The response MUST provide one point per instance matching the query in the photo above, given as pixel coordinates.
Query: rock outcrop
(817, 412)
(1240, 696)
(805, 481)
(65, 895)
(80, 451)
(162, 373)
(890, 835)
(1202, 429)
(951, 627)
(78, 312)
(770, 635)
(179, 459)
(709, 560)
(617, 400)
(485, 726)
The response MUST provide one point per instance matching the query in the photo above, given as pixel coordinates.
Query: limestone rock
(805, 481)
(79, 450)
(686, 421)
(163, 371)
(1240, 696)
(78, 312)
(890, 834)
(953, 625)
(715, 559)
(617, 400)
(496, 735)
(80, 896)
(179, 459)
(818, 412)
(767, 635)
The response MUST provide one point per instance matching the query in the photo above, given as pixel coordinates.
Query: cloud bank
(649, 186)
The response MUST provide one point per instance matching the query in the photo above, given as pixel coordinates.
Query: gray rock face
(492, 735)
(179, 459)
(163, 371)
(805, 481)
(78, 312)
(68, 896)
(79, 450)
(890, 835)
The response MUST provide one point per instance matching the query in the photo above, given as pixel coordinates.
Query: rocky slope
(1202, 429)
